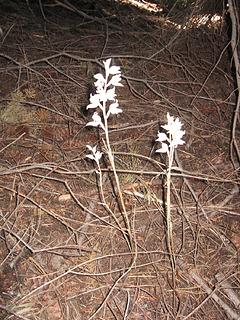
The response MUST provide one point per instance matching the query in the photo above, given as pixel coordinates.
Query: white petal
(114, 70)
(164, 148)
(113, 108)
(89, 147)
(90, 156)
(107, 64)
(91, 106)
(176, 142)
(115, 81)
(170, 118)
(92, 124)
(96, 117)
(97, 120)
(102, 96)
(110, 94)
(99, 84)
(161, 137)
(94, 101)
(98, 156)
(99, 77)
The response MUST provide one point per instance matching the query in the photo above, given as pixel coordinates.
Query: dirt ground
(65, 252)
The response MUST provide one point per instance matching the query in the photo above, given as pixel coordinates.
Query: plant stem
(112, 163)
(169, 220)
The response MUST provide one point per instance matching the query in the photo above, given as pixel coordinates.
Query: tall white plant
(106, 104)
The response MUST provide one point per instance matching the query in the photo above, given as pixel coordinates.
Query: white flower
(115, 81)
(107, 65)
(163, 149)
(114, 70)
(96, 155)
(100, 80)
(162, 137)
(97, 121)
(114, 108)
(102, 97)
(110, 94)
(94, 101)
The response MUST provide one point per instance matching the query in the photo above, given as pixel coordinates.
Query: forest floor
(65, 255)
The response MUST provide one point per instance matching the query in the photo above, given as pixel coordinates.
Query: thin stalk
(103, 197)
(169, 219)
(112, 163)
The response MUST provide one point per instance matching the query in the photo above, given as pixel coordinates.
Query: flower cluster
(174, 135)
(105, 100)
(105, 91)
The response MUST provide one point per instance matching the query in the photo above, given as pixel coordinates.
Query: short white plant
(170, 141)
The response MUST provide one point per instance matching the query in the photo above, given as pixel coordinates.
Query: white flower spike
(105, 91)
(105, 100)
(174, 135)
